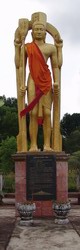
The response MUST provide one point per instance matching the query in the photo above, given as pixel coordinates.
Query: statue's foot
(34, 149)
(49, 149)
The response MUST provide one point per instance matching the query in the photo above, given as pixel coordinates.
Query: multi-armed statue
(40, 91)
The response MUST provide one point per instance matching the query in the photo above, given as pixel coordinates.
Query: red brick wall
(43, 208)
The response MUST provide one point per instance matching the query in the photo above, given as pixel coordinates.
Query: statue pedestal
(43, 178)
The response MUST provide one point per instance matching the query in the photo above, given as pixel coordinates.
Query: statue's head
(38, 26)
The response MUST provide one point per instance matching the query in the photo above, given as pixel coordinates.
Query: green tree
(40, 139)
(7, 149)
(70, 130)
(1, 101)
(74, 171)
(10, 102)
(74, 160)
(69, 123)
(72, 142)
(8, 118)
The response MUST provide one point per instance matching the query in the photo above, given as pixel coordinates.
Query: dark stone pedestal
(42, 177)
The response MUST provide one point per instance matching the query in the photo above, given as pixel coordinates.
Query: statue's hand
(23, 90)
(56, 84)
(21, 32)
(56, 88)
(17, 38)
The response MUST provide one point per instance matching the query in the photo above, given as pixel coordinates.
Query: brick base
(43, 208)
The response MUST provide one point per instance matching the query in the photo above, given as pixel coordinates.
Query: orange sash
(38, 68)
(40, 74)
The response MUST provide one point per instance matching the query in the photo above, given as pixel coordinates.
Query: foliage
(74, 171)
(8, 118)
(70, 129)
(72, 143)
(10, 102)
(1, 101)
(40, 137)
(27, 122)
(72, 180)
(9, 183)
(70, 123)
(7, 148)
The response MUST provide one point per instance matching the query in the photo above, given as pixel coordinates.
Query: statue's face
(38, 32)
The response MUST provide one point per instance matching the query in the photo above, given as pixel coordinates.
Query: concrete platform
(43, 234)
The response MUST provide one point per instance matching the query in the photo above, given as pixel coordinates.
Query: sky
(65, 16)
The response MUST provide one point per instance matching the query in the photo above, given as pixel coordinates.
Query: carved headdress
(39, 17)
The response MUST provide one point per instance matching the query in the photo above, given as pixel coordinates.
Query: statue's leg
(33, 129)
(47, 129)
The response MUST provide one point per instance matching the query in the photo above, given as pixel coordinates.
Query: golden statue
(40, 91)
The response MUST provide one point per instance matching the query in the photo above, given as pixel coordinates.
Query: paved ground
(44, 234)
(7, 224)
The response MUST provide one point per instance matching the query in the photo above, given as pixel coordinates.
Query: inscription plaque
(41, 177)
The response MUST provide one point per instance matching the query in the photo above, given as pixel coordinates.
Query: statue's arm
(54, 65)
(18, 44)
(20, 35)
(19, 63)
(22, 74)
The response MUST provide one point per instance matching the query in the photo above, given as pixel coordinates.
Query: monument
(39, 175)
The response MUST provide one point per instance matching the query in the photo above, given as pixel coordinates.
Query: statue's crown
(39, 17)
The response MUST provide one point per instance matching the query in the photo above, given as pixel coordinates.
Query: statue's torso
(47, 50)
